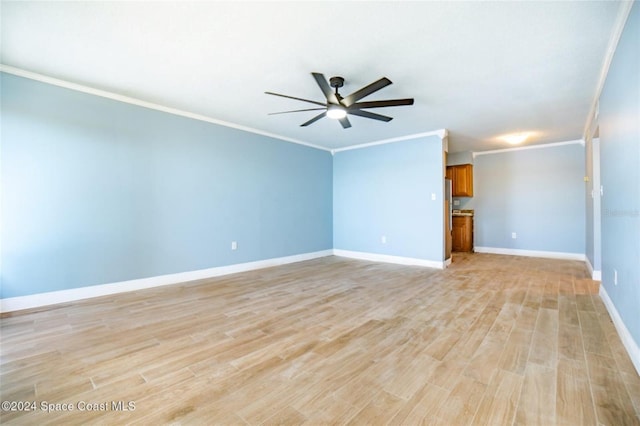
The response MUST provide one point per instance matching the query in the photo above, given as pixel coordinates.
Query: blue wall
(593, 243)
(386, 190)
(463, 157)
(97, 191)
(590, 249)
(619, 121)
(537, 193)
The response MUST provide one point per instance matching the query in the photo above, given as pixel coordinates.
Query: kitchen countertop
(456, 212)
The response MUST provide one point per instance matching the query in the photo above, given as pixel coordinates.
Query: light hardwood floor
(493, 340)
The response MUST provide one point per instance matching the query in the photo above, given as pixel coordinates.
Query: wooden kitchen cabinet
(462, 233)
(461, 180)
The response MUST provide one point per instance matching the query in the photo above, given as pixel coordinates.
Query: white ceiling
(478, 69)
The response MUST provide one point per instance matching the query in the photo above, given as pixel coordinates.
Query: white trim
(627, 340)
(386, 258)
(447, 263)
(133, 101)
(440, 133)
(522, 148)
(595, 275)
(54, 297)
(616, 33)
(532, 253)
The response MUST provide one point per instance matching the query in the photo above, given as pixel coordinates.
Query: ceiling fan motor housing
(336, 82)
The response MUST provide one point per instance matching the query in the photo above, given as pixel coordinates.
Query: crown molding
(618, 27)
(150, 105)
(442, 133)
(524, 148)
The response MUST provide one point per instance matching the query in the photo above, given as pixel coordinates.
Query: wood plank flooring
(492, 340)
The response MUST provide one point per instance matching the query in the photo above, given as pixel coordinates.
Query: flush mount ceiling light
(515, 138)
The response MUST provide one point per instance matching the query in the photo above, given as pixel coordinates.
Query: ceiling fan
(337, 106)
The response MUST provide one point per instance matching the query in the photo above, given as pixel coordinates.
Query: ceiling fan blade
(326, 89)
(296, 110)
(345, 122)
(367, 114)
(297, 99)
(366, 91)
(314, 119)
(380, 104)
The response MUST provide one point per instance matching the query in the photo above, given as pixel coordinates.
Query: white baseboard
(386, 258)
(54, 297)
(627, 340)
(595, 275)
(532, 253)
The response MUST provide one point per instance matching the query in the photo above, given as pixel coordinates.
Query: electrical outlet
(615, 277)
(433, 196)
(514, 235)
(234, 245)
(456, 202)
(383, 239)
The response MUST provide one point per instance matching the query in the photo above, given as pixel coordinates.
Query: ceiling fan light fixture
(337, 106)
(336, 112)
